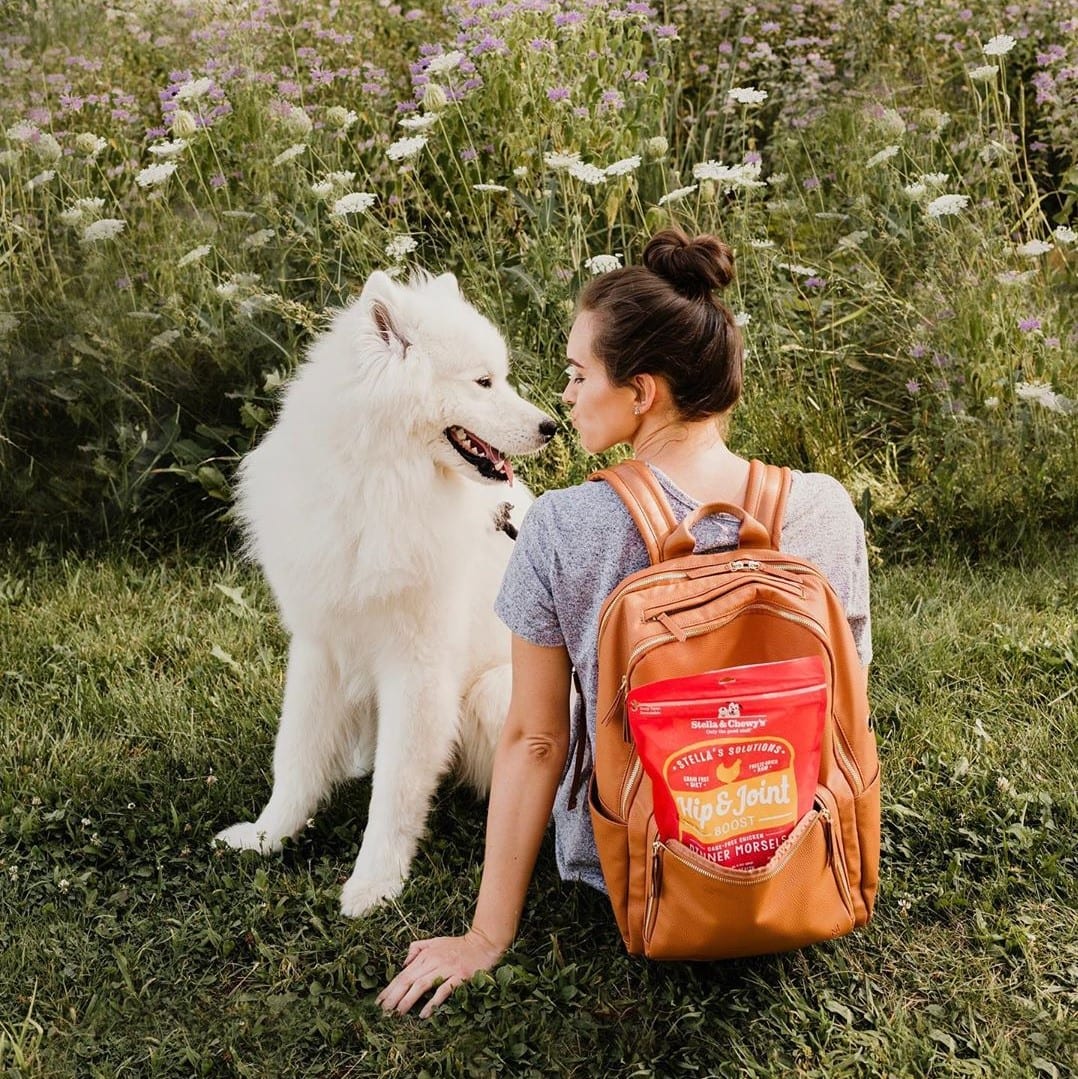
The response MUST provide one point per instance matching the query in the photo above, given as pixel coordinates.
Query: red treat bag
(733, 755)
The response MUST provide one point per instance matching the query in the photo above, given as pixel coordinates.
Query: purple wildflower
(558, 93)
(1028, 325)
(814, 282)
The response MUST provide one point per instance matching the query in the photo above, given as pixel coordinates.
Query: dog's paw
(248, 835)
(361, 895)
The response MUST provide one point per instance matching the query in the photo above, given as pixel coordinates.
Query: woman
(655, 361)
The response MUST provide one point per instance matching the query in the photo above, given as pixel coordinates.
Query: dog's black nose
(548, 429)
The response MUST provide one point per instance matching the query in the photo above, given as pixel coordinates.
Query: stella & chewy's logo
(731, 709)
(731, 721)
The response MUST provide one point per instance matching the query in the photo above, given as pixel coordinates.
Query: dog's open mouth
(484, 458)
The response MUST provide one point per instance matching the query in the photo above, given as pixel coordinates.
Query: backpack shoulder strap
(636, 486)
(765, 497)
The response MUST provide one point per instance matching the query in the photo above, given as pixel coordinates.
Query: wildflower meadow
(189, 188)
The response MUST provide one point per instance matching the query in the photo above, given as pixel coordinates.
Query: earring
(636, 410)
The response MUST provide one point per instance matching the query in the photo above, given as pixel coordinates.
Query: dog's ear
(447, 284)
(383, 296)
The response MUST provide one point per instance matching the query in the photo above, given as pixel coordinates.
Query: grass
(137, 708)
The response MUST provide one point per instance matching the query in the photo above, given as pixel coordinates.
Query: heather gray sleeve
(823, 526)
(525, 602)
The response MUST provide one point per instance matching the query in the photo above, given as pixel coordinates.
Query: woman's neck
(695, 457)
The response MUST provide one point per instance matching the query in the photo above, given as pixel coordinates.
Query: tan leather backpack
(687, 613)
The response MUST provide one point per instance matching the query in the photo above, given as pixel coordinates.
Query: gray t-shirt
(577, 543)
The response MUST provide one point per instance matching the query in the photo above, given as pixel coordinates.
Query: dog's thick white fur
(371, 507)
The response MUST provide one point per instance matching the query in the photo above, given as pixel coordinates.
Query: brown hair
(662, 319)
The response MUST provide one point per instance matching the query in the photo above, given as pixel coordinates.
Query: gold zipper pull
(744, 564)
(825, 815)
(656, 868)
(618, 698)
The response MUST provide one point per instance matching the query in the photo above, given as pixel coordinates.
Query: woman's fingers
(440, 994)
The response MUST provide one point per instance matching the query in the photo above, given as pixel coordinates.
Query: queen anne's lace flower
(194, 89)
(439, 65)
(588, 174)
(677, 194)
(947, 205)
(884, 155)
(417, 122)
(105, 229)
(983, 73)
(1065, 235)
(168, 149)
(1032, 248)
(81, 209)
(292, 152)
(400, 246)
(489, 187)
(746, 95)
(405, 148)
(598, 264)
(194, 255)
(999, 45)
(155, 174)
(357, 202)
(624, 166)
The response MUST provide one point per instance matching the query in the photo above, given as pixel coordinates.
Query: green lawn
(137, 707)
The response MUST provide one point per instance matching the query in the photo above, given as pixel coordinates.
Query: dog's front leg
(418, 710)
(310, 753)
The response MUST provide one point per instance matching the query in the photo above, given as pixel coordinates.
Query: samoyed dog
(376, 508)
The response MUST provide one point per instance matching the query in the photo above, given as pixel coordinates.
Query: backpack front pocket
(699, 910)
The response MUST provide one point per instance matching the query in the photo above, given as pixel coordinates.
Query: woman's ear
(647, 390)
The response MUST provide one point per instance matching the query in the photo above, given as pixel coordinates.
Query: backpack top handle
(665, 538)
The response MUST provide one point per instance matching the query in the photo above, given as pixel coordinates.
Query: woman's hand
(443, 962)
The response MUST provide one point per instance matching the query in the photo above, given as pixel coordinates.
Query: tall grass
(254, 162)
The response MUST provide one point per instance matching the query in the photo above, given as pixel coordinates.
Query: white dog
(372, 506)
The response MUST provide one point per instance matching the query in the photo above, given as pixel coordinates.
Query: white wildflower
(332, 181)
(259, 239)
(237, 283)
(947, 205)
(934, 179)
(746, 95)
(163, 339)
(293, 151)
(23, 131)
(405, 148)
(47, 148)
(556, 160)
(1014, 277)
(155, 174)
(439, 65)
(193, 255)
(86, 142)
(418, 122)
(624, 166)
(357, 202)
(999, 45)
(984, 73)
(852, 239)
(105, 229)
(598, 264)
(1065, 235)
(729, 177)
(194, 89)
(489, 187)
(890, 121)
(40, 179)
(168, 149)
(184, 124)
(656, 147)
(588, 174)
(520, 171)
(1042, 394)
(339, 117)
(884, 155)
(677, 194)
(400, 246)
(297, 121)
(434, 97)
(80, 210)
(323, 188)
(742, 318)
(1033, 248)
(916, 191)
(797, 268)
(761, 245)
(991, 402)
(935, 120)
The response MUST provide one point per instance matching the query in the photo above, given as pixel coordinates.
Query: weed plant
(137, 710)
(187, 189)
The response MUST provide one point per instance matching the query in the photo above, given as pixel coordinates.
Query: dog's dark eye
(486, 382)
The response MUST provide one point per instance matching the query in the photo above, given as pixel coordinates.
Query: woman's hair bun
(693, 265)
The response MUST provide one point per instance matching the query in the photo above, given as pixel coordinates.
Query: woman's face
(601, 412)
